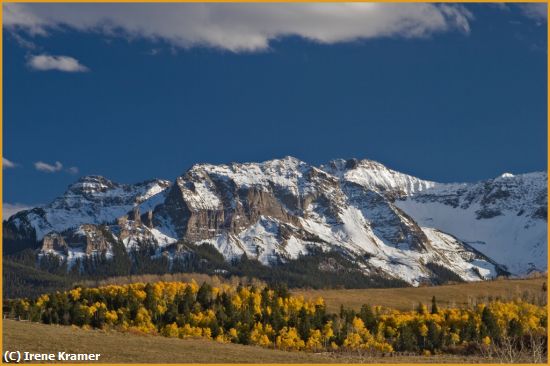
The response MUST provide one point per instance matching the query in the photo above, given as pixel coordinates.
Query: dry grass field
(116, 347)
(448, 295)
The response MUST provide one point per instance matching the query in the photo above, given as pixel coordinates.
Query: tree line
(29, 276)
(270, 317)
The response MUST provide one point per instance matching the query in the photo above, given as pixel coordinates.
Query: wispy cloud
(48, 168)
(72, 170)
(9, 209)
(240, 27)
(536, 11)
(23, 41)
(16, 16)
(59, 63)
(6, 164)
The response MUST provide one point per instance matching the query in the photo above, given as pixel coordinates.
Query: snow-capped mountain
(386, 222)
(91, 200)
(505, 218)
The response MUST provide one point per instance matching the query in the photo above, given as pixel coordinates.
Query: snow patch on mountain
(503, 218)
(376, 176)
(518, 242)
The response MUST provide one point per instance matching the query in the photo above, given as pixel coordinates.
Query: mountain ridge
(278, 210)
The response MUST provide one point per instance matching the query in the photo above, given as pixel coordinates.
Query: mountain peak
(92, 178)
(506, 175)
(91, 184)
(250, 169)
(288, 159)
(376, 176)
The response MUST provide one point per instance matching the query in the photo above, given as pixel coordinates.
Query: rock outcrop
(54, 242)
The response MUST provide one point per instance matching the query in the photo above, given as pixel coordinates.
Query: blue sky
(443, 92)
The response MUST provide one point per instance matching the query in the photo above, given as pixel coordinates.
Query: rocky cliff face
(54, 242)
(275, 211)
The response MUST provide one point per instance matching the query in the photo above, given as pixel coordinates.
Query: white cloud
(9, 209)
(48, 168)
(536, 11)
(7, 163)
(72, 170)
(240, 27)
(17, 16)
(60, 63)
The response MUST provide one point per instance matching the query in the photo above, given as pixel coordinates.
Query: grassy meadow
(407, 298)
(117, 347)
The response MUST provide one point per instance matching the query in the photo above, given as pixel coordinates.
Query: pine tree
(204, 295)
(489, 325)
(406, 341)
(433, 337)
(367, 315)
(435, 310)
